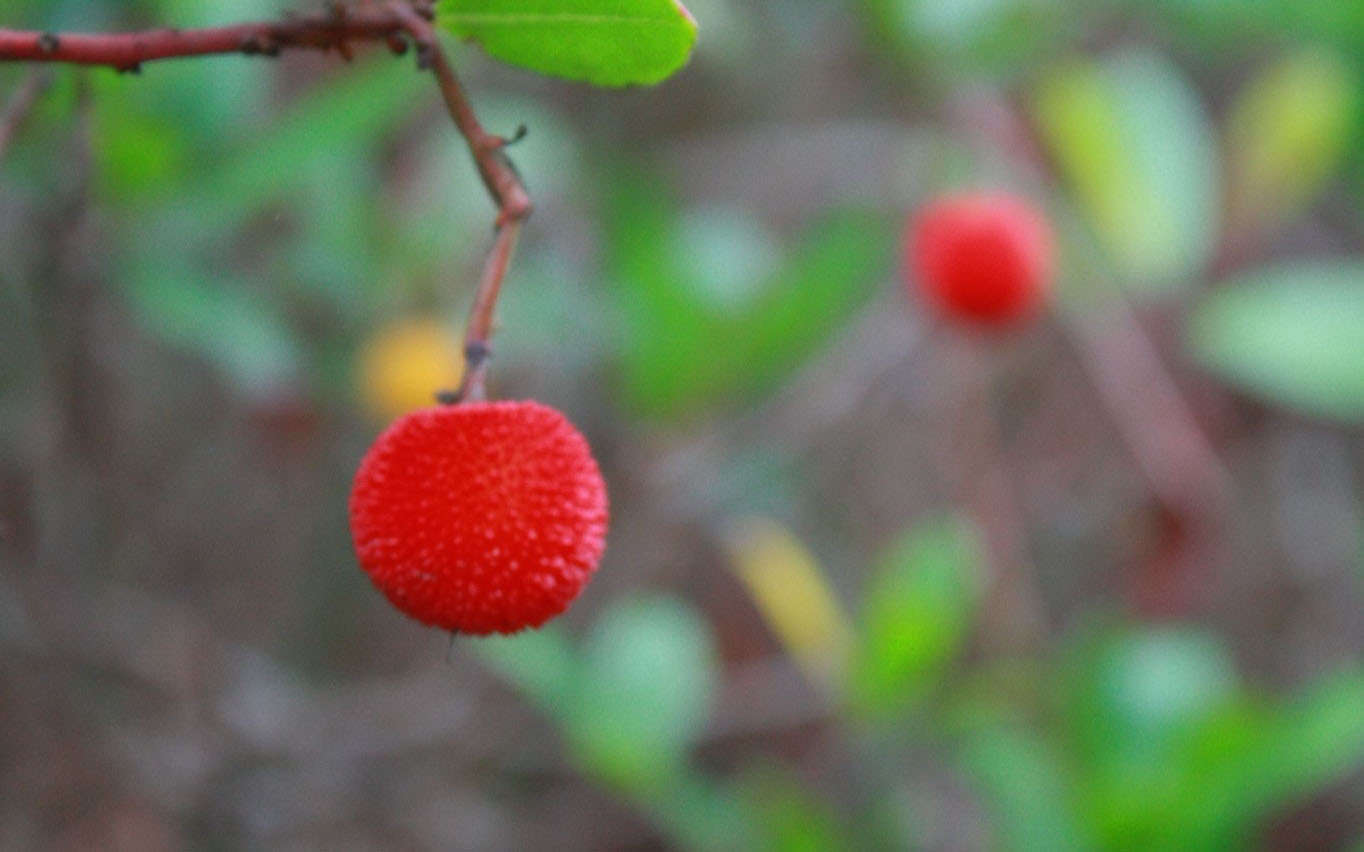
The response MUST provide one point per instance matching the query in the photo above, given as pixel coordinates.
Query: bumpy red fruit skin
(485, 517)
(985, 258)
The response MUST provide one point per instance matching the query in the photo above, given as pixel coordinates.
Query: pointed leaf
(643, 691)
(1287, 134)
(1139, 153)
(604, 42)
(917, 614)
(1291, 336)
(792, 593)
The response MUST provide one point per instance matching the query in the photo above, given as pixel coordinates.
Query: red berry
(480, 518)
(981, 257)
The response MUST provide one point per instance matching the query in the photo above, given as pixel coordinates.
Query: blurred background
(873, 581)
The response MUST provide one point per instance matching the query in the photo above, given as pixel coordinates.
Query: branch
(332, 29)
(503, 184)
(393, 23)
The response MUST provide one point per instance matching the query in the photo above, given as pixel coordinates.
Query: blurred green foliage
(1134, 737)
(1287, 134)
(916, 614)
(689, 339)
(1290, 335)
(269, 239)
(1129, 135)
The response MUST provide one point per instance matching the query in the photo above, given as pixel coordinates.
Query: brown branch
(20, 105)
(1191, 487)
(393, 23)
(503, 184)
(331, 29)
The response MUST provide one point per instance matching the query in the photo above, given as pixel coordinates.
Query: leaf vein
(532, 19)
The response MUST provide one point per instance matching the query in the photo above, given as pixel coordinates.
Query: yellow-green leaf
(604, 42)
(1286, 135)
(794, 597)
(1291, 335)
(1138, 151)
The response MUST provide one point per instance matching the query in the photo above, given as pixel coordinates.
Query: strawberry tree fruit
(983, 259)
(482, 517)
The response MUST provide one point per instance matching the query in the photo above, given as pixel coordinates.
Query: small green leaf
(604, 42)
(1291, 335)
(1135, 693)
(998, 37)
(1137, 700)
(221, 320)
(1287, 134)
(1271, 758)
(1026, 788)
(643, 692)
(1321, 738)
(916, 615)
(539, 663)
(680, 349)
(1139, 152)
(791, 818)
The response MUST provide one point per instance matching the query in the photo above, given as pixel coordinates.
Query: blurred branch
(1191, 488)
(978, 474)
(394, 23)
(20, 105)
(332, 29)
(503, 184)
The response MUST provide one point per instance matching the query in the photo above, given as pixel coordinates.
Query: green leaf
(1287, 133)
(539, 663)
(358, 109)
(604, 42)
(1290, 335)
(916, 615)
(1137, 700)
(1026, 788)
(1138, 150)
(699, 812)
(643, 692)
(1135, 693)
(791, 818)
(998, 37)
(682, 347)
(1320, 738)
(1226, 31)
(221, 320)
(1259, 760)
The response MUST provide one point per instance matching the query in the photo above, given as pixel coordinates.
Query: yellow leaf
(405, 364)
(792, 594)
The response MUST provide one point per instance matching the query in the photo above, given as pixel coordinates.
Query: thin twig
(1191, 487)
(330, 29)
(1154, 420)
(21, 105)
(335, 28)
(503, 184)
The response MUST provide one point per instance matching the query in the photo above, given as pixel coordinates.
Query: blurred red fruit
(480, 518)
(984, 258)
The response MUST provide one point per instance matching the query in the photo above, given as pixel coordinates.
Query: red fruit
(480, 518)
(981, 257)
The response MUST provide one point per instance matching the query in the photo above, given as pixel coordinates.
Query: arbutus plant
(471, 515)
